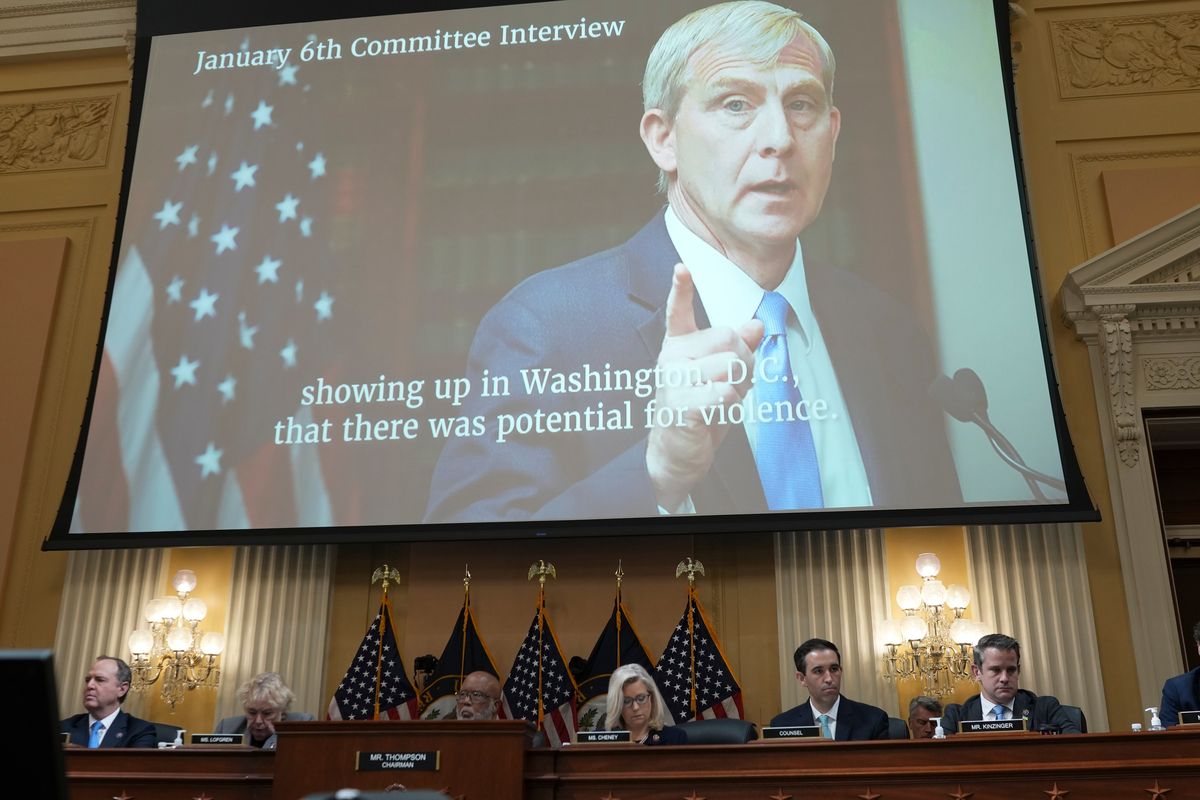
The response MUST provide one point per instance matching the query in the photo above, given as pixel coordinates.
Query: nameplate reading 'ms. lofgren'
(405, 761)
(991, 725)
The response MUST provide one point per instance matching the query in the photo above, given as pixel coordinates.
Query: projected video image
(591, 259)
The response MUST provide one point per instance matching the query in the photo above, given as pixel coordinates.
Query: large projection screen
(414, 276)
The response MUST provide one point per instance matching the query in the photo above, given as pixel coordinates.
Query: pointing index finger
(681, 316)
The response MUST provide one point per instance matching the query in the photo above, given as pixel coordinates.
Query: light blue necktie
(1000, 712)
(824, 721)
(97, 733)
(784, 451)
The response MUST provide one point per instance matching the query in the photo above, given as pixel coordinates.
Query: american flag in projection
(376, 685)
(539, 686)
(224, 304)
(693, 673)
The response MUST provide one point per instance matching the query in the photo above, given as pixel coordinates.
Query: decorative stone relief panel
(1127, 55)
(1116, 342)
(1166, 373)
(56, 134)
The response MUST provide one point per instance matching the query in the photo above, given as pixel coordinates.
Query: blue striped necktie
(784, 450)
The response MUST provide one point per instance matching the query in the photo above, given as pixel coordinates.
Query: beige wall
(1095, 158)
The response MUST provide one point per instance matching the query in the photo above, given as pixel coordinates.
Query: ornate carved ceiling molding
(1144, 289)
(47, 28)
(1127, 55)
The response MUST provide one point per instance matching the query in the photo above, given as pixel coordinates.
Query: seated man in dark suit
(105, 724)
(819, 668)
(1181, 693)
(265, 699)
(997, 667)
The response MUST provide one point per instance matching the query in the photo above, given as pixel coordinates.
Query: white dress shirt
(831, 713)
(989, 707)
(731, 297)
(105, 724)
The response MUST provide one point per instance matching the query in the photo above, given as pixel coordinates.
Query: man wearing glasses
(478, 697)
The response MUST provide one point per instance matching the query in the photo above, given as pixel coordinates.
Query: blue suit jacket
(609, 308)
(855, 722)
(126, 731)
(1181, 693)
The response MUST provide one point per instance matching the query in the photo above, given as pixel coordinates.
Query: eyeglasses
(636, 700)
(474, 697)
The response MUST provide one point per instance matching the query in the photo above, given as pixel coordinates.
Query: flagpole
(620, 574)
(387, 575)
(462, 653)
(541, 569)
(691, 567)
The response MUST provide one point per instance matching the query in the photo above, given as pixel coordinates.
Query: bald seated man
(478, 697)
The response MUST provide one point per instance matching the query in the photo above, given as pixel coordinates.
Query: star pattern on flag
(208, 324)
(715, 687)
(205, 305)
(169, 215)
(376, 669)
(210, 461)
(243, 176)
(262, 114)
(541, 665)
(225, 239)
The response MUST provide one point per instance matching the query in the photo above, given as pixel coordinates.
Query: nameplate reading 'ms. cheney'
(405, 761)
(807, 732)
(217, 738)
(601, 737)
(991, 725)
(1189, 717)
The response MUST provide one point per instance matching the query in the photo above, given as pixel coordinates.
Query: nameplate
(991, 725)
(66, 737)
(1189, 717)
(602, 737)
(421, 761)
(792, 732)
(213, 739)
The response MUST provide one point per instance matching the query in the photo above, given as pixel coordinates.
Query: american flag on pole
(693, 674)
(224, 304)
(376, 685)
(540, 687)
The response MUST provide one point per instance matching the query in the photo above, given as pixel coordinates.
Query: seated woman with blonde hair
(635, 705)
(265, 699)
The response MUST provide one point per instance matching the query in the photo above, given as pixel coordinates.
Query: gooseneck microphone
(964, 398)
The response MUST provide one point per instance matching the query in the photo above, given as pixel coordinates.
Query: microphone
(965, 398)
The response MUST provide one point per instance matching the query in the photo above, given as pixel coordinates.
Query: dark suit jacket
(670, 734)
(126, 731)
(1181, 693)
(1044, 710)
(239, 724)
(855, 721)
(609, 308)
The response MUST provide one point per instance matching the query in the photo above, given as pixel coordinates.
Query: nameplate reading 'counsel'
(807, 732)
(1189, 717)
(991, 725)
(602, 737)
(217, 738)
(407, 761)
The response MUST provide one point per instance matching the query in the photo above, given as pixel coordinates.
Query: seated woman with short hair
(265, 699)
(635, 705)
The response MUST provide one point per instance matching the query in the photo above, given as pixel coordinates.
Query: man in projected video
(805, 388)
